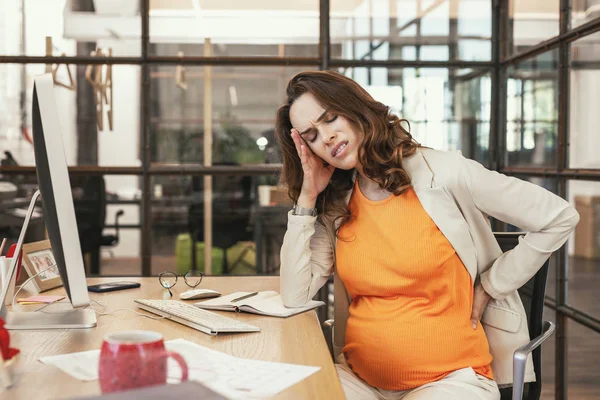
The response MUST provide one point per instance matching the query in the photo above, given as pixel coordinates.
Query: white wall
(584, 131)
(121, 146)
(584, 119)
(9, 77)
(43, 19)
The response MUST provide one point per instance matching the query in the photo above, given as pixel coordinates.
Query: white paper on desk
(232, 377)
(83, 365)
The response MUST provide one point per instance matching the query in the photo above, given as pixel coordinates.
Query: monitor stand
(46, 319)
(63, 319)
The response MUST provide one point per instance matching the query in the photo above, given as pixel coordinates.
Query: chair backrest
(89, 198)
(532, 295)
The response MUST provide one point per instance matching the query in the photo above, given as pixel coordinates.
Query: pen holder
(4, 266)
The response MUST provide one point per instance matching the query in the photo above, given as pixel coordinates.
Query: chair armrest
(520, 359)
(328, 332)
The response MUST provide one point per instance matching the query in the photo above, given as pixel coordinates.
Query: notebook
(263, 303)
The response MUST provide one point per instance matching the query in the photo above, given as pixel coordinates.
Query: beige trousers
(463, 384)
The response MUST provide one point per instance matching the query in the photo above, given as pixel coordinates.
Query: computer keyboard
(194, 317)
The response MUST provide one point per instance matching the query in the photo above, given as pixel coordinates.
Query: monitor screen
(55, 189)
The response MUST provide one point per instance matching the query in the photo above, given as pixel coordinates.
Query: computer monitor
(59, 215)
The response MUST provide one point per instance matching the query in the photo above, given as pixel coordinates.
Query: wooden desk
(297, 340)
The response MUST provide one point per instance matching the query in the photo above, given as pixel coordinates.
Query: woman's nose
(328, 135)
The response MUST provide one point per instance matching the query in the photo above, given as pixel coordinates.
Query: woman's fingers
(301, 144)
(297, 140)
(303, 156)
(305, 162)
(307, 158)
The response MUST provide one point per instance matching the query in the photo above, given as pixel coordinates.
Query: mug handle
(181, 361)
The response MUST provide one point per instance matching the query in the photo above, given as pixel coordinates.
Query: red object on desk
(134, 359)
(10, 253)
(5, 349)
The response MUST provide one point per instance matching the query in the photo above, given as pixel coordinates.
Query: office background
(512, 84)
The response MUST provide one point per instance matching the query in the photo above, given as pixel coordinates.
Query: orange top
(409, 320)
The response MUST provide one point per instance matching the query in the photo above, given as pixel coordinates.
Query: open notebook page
(265, 303)
(224, 302)
(274, 306)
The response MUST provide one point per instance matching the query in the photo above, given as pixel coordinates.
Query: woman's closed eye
(310, 136)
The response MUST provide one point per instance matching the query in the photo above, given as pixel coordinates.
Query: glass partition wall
(168, 110)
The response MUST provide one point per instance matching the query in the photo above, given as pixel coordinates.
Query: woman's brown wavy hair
(385, 142)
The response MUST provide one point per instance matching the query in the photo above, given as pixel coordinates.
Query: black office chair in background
(89, 195)
(112, 240)
(532, 295)
(232, 202)
(8, 159)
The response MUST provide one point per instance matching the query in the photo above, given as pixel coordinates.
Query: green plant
(178, 146)
(233, 143)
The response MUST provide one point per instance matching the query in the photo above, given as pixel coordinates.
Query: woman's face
(329, 136)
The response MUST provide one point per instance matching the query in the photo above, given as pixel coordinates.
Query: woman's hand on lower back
(480, 300)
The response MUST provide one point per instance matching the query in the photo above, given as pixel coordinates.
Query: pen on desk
(244, 297)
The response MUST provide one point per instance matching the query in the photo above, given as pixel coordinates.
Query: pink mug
(133, 359)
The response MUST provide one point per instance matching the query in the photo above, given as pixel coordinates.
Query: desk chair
(8, 159)
(112, 240)
(532, 295)
(89, 194)
(232, 201)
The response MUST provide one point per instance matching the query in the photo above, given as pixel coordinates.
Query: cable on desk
(103, 305)
(104, 312)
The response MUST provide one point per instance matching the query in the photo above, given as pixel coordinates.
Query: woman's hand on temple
(317, 173)
(480, 300)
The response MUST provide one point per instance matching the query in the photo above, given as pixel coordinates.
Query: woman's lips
(340, 149)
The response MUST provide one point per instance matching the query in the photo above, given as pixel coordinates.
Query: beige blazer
(458, 194)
